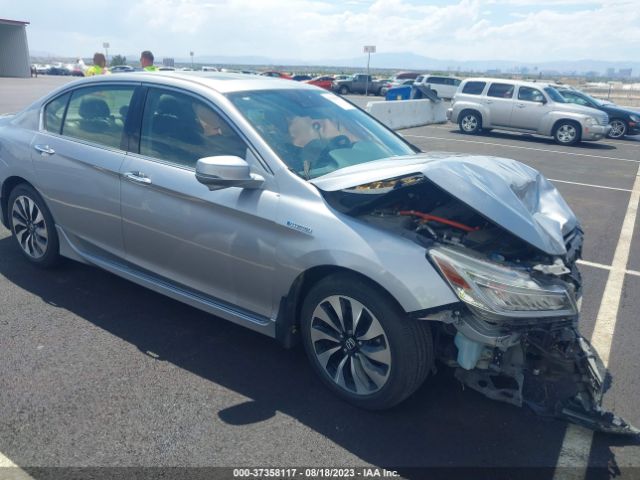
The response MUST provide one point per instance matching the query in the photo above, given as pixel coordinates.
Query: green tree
(118, 60)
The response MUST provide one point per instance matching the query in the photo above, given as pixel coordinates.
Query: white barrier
(397, 114)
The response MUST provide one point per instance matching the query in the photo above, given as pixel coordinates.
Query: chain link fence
(624, 94)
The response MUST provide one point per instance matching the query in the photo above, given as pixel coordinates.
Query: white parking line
(523, 148)
(11, 471)
(617, 143)
(601, 266)
(576, 446)
(590, 185)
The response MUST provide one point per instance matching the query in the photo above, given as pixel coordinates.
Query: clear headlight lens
(590, 121)
(500, 290)
(635, 118)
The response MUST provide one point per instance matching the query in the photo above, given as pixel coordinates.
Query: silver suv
(528, 107)
(283, 208)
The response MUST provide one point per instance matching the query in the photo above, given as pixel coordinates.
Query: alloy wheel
(29, 227)
(469, 123)
(350, 345)
(566, 133)
(618, 129)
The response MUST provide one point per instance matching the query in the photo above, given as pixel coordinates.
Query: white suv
(445, 87)
(528, 107)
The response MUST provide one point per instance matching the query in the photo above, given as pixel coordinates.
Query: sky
(310, 30)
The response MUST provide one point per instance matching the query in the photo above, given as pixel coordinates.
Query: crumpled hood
(512, 195)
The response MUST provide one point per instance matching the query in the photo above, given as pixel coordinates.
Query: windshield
(317, 132)
(555, 95)
(594, 100)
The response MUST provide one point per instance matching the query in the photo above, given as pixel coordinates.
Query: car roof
(509, 82)
(221, 82)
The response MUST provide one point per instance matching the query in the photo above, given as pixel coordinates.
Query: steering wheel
(316, 152)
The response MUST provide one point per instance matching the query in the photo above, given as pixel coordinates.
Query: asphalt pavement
(98, 372)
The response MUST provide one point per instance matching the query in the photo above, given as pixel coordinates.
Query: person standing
(99, 66)
(146, 61)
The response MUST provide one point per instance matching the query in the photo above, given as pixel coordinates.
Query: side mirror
(226, 171)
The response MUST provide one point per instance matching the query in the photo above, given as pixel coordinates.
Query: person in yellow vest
(99, 66)
(146, 60)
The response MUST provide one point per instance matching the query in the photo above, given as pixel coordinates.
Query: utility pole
(368, 49)
(105, 45)
(191, 53)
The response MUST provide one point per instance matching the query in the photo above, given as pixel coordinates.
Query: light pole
(105, 45)
(191, 53)
(368, 49)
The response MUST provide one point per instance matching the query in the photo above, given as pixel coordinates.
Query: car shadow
(440, 426)
(530, 138)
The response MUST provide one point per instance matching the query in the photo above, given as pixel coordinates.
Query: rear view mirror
(226, 171)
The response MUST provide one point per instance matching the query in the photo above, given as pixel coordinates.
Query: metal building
(14, 51)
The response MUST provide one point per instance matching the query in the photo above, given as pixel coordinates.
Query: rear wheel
(567, 133)
(470, 123)
(362, 345)
(618, 128)
(32, 226)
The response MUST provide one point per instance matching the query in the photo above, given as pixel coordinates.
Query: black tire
(344, 90)
(407, 343)
(567, 132)
(30, 226)
(619, 128)
(470, 123)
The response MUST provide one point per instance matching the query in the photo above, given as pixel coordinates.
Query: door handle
(489, 101)
(44, 149)
(137, 177)
(520, 105)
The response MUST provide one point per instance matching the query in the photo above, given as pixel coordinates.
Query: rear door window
(500, 90)
(435, 80)
(97, 114)
(473, 88)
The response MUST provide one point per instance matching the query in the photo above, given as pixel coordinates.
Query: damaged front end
(527, 357)
(507, 244)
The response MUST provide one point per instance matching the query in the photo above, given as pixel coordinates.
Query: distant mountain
(402, 61)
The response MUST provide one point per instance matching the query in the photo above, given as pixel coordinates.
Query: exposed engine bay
(514, 335)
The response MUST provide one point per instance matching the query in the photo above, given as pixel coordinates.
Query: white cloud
(526, 30)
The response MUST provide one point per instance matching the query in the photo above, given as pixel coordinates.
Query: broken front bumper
(548, 367)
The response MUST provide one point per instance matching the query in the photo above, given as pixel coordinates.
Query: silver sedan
(286, 209)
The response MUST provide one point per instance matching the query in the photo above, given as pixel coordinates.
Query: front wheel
(567, 133)
(618, 129)
(32, 227)
(343, 90)
(362, 345)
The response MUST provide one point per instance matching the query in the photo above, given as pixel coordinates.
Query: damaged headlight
(502, 291)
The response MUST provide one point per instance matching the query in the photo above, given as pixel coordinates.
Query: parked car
(285, 209)
(389, 84)
(121, 69)
(58, 70)
(622, 120)
(42, 69)
(528, 107)
(301, 78)
(358, 83)
(277, 75)
(445, 87)
(406, 76)
(322, 82)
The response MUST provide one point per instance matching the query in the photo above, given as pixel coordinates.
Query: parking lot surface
(98, 372)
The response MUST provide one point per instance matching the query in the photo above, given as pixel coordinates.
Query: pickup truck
(358, 83)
